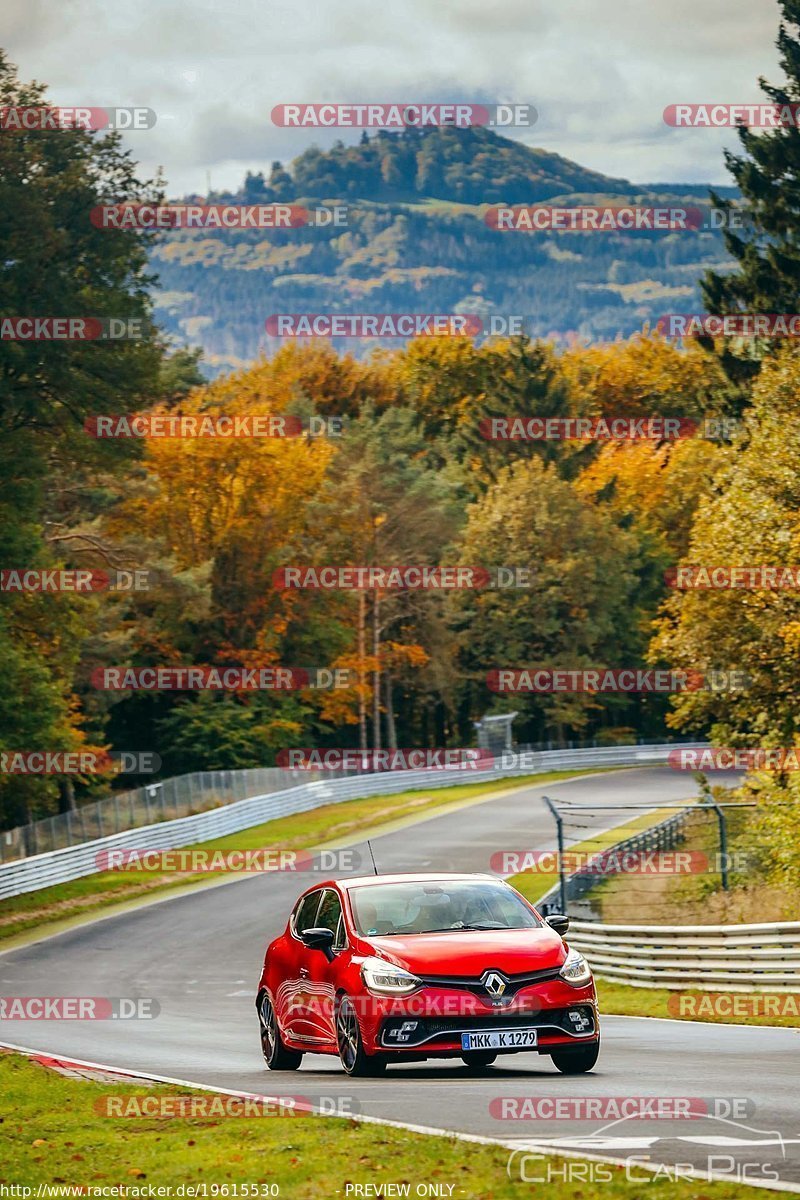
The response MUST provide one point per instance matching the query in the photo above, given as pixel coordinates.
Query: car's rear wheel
(576, 1060)
(353, 1056)
(276, 1055)
(478, 1059)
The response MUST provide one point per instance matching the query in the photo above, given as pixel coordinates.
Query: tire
(478, 1059)
(576, 1061)
(352, 1055)
(276, 1055)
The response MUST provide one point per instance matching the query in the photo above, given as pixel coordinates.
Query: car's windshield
(436, 906)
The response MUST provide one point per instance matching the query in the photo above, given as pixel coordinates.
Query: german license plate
(499, 1039)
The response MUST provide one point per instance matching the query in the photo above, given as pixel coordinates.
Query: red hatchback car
(408, 967)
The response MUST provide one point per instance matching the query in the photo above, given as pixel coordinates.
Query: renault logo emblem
(494, 982)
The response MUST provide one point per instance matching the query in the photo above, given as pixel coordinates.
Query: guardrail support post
(562, 878)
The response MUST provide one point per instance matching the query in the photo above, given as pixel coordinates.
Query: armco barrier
(74, 862)
(712, 958)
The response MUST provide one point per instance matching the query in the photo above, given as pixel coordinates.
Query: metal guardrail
(75, 862)
(168, 799)
(731, 958)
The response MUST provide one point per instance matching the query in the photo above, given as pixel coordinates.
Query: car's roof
(416, 877)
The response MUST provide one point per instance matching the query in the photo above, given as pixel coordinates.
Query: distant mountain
(416, 241)
(468, 166)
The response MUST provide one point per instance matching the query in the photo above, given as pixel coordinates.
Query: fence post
(723, 843)
(562, 879)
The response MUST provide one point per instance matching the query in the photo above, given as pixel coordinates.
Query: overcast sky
(599, 72)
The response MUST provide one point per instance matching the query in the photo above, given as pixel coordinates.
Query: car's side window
(330, 915)
(306, 912)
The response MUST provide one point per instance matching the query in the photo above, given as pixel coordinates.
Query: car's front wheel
(576, 1060)
(478, 1059)
(276, 1055)
(354, 1058)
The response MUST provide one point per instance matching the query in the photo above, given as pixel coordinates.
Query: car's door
(322, 974)
(291, 998)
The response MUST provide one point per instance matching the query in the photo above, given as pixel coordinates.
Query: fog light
(403, 1034)
(580, 1019)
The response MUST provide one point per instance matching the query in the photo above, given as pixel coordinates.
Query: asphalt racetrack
(199, 955)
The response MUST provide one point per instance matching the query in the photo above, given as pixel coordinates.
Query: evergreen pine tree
(762, 231)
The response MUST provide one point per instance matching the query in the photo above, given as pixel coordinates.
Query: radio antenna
(372, 856)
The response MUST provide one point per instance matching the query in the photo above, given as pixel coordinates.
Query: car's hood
(471, 952)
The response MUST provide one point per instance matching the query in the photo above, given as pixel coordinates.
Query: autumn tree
(57, 263)
(384, 503)
(219, 516)
(582, 570)
(646, 376)
(751, 516)
(456, 387)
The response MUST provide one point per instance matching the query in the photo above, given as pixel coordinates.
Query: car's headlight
(386, 979)
(576, 970)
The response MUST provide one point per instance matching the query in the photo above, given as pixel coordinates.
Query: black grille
(470, 983)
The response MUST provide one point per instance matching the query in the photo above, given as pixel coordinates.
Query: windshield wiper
(459, 927)
(485, 925)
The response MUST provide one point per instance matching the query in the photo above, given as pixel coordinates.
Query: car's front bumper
(432, 1019)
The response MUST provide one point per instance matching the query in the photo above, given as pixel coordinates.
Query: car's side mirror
(558, 922)
(319, 939)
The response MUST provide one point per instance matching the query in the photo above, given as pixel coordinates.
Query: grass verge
(698, 898)
(53, 1134)
(307, 830)
(719, 1008)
